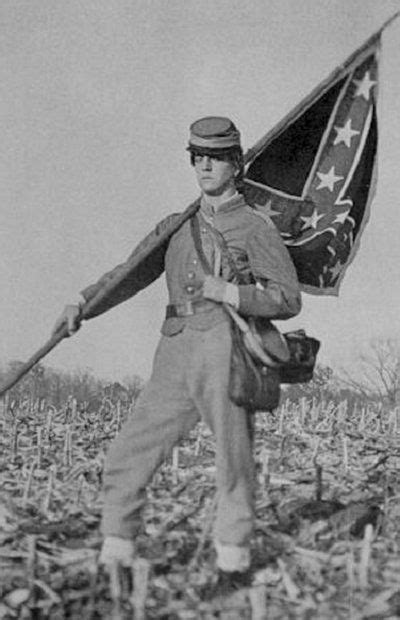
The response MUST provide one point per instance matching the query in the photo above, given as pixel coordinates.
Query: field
(327, 530)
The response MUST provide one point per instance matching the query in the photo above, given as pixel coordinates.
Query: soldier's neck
(215, 202)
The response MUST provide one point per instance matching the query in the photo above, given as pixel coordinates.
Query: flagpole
(96, 301)
(315, 93)
(389, 21)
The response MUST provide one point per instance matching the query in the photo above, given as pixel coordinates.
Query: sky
(96, 100)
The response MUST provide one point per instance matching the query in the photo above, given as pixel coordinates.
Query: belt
(188, 308)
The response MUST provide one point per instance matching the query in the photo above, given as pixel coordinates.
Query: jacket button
(190, 290)
(191, 275)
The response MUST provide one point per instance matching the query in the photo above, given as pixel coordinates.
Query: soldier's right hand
(71, 317)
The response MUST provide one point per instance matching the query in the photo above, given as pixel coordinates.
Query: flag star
(345, 134)
(328, 179)
(364, 86)
(336, 269)
(311, 221)
(268, 210)
(341, 217)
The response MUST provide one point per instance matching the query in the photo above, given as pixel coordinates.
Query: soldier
(190, 375)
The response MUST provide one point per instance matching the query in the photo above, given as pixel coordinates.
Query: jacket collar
(237, 201)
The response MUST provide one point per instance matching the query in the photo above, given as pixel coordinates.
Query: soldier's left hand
(214, 288)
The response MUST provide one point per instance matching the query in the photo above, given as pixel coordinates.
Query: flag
(314, 174)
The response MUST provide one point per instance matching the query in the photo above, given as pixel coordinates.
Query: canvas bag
(254, 383)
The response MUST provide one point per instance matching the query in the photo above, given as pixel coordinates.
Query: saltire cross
(315, 175)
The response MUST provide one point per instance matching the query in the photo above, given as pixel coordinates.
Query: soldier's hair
(233, 154)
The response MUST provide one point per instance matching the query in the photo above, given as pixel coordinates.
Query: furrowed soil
(326, 543)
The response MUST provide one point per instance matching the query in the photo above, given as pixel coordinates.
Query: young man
(190, 376)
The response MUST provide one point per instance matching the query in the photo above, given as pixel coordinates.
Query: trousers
(189, 383)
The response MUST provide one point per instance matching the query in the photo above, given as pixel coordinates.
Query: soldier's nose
(206, 162)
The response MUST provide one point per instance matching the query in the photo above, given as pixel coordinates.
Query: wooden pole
(91, 305)
(36, 357)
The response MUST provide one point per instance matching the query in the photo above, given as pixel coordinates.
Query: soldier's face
(215, 174)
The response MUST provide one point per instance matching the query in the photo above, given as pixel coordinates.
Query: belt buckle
(188, 308)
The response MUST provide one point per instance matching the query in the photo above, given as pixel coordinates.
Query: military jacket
(270, 287)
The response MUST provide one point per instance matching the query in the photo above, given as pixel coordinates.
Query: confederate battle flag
(313, 174)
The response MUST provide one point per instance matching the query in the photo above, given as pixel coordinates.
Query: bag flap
(271, 339)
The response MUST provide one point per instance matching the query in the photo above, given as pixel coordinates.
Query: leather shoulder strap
(222, 245)
(195, 230)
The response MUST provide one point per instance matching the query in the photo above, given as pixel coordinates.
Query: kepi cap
(213, 132)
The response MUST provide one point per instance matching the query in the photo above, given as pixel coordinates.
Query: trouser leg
(163, 415)
(231, 427)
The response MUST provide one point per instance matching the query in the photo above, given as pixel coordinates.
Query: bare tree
(378, 372)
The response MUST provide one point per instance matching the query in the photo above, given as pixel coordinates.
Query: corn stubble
(327, 520)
